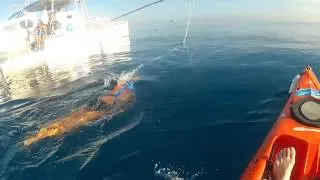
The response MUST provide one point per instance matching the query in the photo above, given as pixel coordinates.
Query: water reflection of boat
(59, 26)
(35, 74)
(4, 87)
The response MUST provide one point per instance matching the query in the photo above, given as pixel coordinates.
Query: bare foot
(283, 164)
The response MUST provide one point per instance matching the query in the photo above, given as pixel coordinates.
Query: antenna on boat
(138, 9)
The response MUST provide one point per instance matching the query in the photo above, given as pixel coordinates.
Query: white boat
(60, 27)
(68, 51)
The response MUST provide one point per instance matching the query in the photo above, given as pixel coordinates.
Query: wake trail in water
(216, 123)
(97, 144)
(15, 104)
(49, 155)
(92, 148)
(178, 49)
(6, 158)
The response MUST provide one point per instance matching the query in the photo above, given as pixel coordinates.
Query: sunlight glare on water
(199, 105)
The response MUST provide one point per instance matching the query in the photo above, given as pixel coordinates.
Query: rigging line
(188, 24)
(138, 9)
(85, 8)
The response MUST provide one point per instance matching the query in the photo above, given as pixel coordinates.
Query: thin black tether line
(138, 9)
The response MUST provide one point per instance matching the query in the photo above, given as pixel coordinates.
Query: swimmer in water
(120, 96)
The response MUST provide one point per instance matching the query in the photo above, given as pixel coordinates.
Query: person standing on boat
(40, 35)
(52, 22)
(45, 18)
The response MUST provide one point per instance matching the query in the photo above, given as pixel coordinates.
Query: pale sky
(271, 10)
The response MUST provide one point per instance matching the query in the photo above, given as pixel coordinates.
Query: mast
(52, 6)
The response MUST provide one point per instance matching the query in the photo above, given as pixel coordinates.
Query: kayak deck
(297, 126)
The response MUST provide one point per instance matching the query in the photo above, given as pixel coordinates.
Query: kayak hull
(289, 131)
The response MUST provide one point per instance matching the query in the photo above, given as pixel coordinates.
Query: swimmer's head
(110, 85)
(113, 84)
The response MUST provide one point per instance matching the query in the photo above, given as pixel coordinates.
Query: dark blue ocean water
(202, 109)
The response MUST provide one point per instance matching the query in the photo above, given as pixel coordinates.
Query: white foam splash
(124, 76)
(130, 75)
(174, 173)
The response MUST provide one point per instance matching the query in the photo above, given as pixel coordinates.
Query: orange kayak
(297, 126)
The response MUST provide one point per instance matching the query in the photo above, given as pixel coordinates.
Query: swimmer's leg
(283, 164)
(84, 108)
(109, 100)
